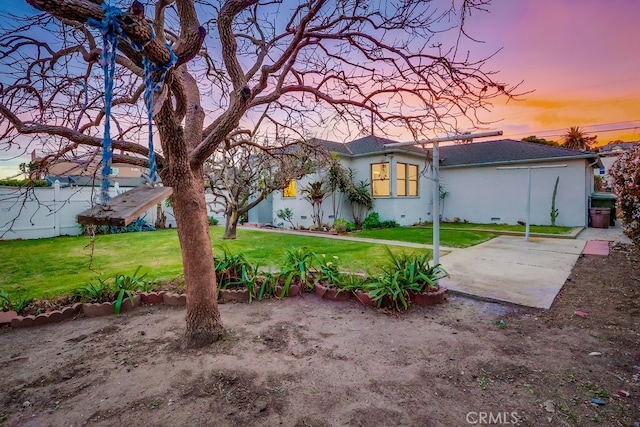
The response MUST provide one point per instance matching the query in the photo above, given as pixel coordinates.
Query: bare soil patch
(305, 361)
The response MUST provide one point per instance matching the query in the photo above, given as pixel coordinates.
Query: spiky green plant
(554, 210)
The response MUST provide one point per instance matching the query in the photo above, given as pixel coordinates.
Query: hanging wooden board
(122, 210)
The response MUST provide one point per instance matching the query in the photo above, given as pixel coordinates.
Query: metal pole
(436, 176)
(371, 123)
(436, 204)
(458, 137)
(526, 231)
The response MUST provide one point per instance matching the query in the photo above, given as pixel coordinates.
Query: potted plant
(296, 272)
(235, 276)
(418, 277)
(103, 298)
(405, 278)
(384, 291)
(330, 283)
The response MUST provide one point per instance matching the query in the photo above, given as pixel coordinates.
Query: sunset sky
(579, 57)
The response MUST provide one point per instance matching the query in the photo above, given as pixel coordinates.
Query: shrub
(140, 224)
(389, 224)
(23, 183)
(286, 215)
(343, 225)
(213, 221)
(121, 287)
(229, 268)
(359, 195)
(625, 173)
(373, 221)
(401, 275)
(297, 266)
(13, 302)
(328, 270)
(95, 292)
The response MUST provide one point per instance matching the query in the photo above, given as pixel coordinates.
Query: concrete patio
(514, 270)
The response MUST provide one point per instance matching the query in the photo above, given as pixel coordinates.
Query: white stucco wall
(488, 195)
(404, 210)
(476, 194)
(51, 211)
(300, 207)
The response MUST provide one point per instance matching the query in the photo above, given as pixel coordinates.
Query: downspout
(588, 194)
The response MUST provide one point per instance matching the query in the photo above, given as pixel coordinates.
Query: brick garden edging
(106, 308)
(91, 309)
(54, 316)
(146, 298)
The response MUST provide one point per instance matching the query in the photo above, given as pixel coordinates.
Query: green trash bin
(605, 200)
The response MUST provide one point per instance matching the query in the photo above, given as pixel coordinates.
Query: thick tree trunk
(204, 325)
(161, 218)
(231, 225)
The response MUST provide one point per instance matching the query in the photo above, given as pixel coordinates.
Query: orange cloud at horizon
(578, 58)
(610, 118)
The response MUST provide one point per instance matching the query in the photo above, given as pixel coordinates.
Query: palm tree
(315, 193)
(361, 199)
(577, 139)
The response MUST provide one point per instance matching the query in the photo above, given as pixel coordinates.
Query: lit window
(413, 180)
(401, 181)
(290, 189)
(406, 180)
(380, 179)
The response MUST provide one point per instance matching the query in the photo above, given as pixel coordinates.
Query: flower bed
(406, 279)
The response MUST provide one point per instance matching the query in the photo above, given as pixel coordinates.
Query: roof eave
(389, 151)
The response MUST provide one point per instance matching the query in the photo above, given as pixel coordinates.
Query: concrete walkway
(511, 269)
(506, 268)
(611, 234)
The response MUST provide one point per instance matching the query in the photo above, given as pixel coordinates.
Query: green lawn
(50, 267)
(548, 229)
(451, 238)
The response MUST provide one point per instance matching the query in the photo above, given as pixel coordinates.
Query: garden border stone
(54, 316)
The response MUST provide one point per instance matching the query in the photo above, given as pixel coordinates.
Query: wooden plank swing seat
(123, 209)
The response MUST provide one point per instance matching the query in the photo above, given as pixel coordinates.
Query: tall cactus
(554, 210)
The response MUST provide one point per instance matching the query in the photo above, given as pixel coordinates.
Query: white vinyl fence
(51, 211)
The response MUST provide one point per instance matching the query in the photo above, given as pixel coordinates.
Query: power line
(541, 132)
(598, 132)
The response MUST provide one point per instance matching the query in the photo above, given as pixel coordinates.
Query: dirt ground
(307, 362)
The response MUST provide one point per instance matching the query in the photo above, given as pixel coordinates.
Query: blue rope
(149, 88)
(111, 30)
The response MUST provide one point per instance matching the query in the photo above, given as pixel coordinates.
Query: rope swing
(134, 202)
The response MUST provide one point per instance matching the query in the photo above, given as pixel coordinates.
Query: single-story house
(483, 182)
(86, 171)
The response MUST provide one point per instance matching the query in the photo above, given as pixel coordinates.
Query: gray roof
(506, 151)
(366, 145)
(332, 146)
(618, 147)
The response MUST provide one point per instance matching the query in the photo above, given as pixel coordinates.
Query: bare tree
(243, 175)
(243, 67)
